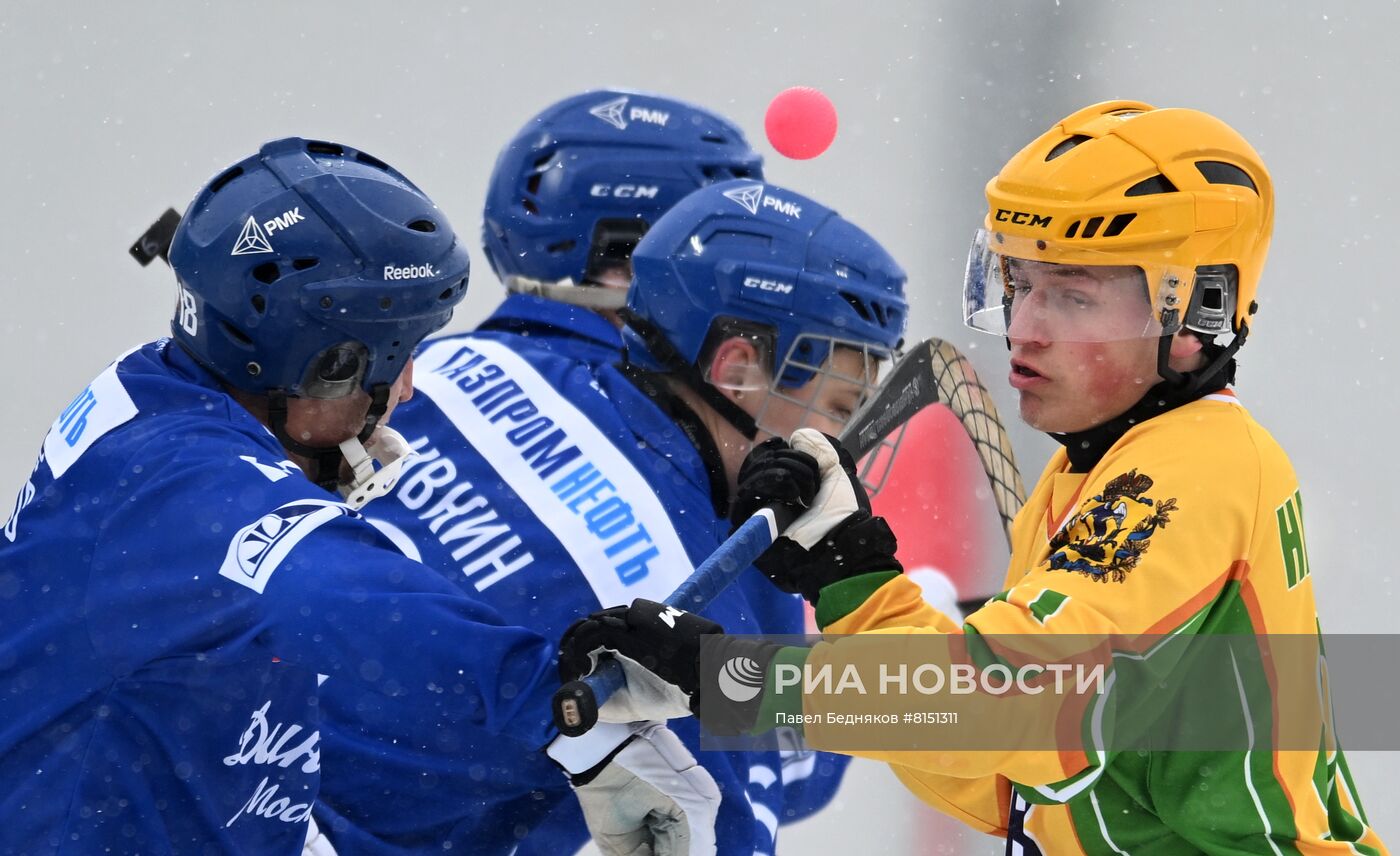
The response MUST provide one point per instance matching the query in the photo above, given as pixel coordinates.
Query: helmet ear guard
(1213, 300)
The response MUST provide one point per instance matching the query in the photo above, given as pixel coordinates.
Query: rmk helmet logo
(251, 240)
(752, 198)
(613, 113)
(749, 196)
(741, 679)
(254, 238)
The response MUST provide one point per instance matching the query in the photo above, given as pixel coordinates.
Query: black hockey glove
(658, 647)
(774, 474)
(842, 538)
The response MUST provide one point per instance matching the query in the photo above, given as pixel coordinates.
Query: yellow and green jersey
(1190, 524)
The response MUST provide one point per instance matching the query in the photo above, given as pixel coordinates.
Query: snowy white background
(110, 113)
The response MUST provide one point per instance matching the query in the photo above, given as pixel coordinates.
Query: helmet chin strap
(1221, 363)
(663, 351)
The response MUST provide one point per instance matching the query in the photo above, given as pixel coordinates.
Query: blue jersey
(546, 487)
(174, 595)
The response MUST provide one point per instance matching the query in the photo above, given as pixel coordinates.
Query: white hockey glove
(647, 796)
(837, 497)
(837, 537)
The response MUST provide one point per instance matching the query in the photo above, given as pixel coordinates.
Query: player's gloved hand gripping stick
(933, 371)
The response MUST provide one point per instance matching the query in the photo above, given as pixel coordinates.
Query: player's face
(330, 422)
(826, 402)
(1070, 374)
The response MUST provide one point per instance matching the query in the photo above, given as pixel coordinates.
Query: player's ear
(1186, 351)
(406, 382)
(735, 368)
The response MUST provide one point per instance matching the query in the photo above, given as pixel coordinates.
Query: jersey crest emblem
(1108, 536)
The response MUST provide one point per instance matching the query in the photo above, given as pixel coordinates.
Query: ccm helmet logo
(1022, 218)
(625, 191)
(772, 285)
(410, 272)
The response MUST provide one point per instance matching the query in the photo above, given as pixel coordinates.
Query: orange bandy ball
(800, 122)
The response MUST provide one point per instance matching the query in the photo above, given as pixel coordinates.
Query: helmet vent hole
(386, 302)
(714, 138)
(1118, 224)
(858, 305)
(266, 273)
(423, 226)
(1150, 186)
(371, 160)
(1219, 172)
(237, 335)
(218, 184)
(532, 185)
(304, 264)
(741, 172)
(530, 206)
(259, 303)
(1091, 228)
(1073, 229)
(316, 147)
(561, 246)
(1065, 145)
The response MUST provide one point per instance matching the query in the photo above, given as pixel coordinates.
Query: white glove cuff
(580, 754)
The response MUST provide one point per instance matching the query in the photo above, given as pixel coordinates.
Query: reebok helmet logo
(409, 272)
(741, 679)
(752, 198)
(254, 237)
(618, 114)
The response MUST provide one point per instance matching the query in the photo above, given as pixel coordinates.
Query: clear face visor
(823, 393)
(1038, 290)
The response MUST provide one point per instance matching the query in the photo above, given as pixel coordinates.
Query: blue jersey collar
(527, 310)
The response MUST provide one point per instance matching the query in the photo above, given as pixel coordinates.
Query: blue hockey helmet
(578, 186)
(312, 269)
(761, 254)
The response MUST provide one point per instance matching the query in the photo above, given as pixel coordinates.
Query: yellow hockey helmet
(1176, 193)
